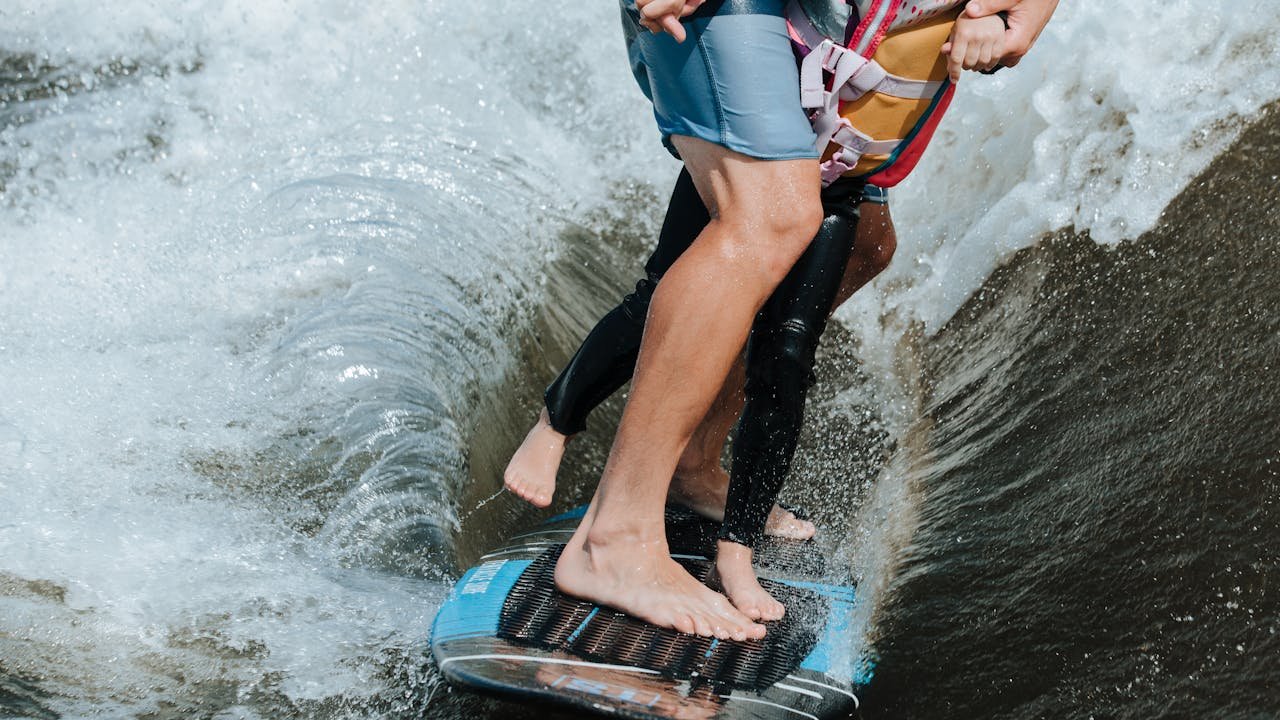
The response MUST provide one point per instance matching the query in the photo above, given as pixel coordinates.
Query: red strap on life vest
(881, 29)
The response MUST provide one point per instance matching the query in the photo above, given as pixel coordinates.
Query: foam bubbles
(200, 199)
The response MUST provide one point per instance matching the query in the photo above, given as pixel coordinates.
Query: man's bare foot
(705, 490)
(531, 474)
(635, 574)
(733, 565)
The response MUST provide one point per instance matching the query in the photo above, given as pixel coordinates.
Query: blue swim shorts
(733, 81)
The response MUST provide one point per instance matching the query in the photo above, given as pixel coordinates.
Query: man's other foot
(636, 575)
(531, 474)
(705, 491)
(738, 577)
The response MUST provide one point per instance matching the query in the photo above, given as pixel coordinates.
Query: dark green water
(1099, 533)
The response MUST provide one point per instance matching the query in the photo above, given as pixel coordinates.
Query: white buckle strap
(844, 65)
(848, 138)
(853, 145)
(853, 77)
(868, 78)
(813, 90)
(898, 87)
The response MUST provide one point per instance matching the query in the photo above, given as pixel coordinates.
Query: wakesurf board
(505, 631)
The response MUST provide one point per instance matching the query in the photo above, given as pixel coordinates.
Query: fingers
(971, 55)
(955, 58)
(1027, 19)
(988, 58)
(664, 15)
(666, 23)
(1017, 42)
(673, 27)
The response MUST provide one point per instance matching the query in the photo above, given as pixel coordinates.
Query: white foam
(241, 176)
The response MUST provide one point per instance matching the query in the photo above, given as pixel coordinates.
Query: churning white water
(259, 260)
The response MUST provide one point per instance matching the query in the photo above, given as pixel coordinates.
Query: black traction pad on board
(536, 614)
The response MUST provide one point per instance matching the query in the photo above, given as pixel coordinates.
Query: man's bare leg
(764, 213)
(700, 482)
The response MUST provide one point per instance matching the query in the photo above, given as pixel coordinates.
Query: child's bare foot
(733, 565)
(531, 474)
(633, 573)
(705, 489)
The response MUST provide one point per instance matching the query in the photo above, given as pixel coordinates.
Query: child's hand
(660, 15)
(975, 44)
(1026, 20)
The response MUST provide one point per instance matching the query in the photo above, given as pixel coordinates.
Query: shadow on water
(1098, 532)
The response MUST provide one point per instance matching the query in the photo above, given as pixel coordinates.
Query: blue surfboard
(506, 631)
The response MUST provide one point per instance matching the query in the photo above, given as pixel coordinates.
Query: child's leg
(780, 357)
(702, 484)
(606, 359)
(873, 249)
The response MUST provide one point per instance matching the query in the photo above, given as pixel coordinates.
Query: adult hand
(664, 15)
(1027, 19)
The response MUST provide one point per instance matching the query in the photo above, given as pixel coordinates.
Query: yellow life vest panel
(876, 97)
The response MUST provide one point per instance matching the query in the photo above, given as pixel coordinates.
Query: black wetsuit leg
(780, 357)
(607, 357)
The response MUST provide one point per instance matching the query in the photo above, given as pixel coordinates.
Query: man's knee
(781, 232)
(791, 215)
(798, 222)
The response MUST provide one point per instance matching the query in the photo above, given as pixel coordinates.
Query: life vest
(876, 98)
